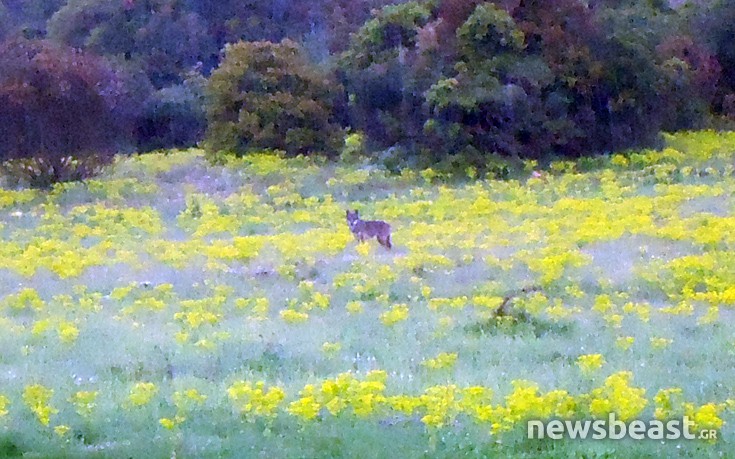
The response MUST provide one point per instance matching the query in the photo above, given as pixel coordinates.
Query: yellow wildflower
(294, 317)
(396, 314)
(142, 393)
(660, 343)
(331, 349)
(61, 430)
(84, 402)
(68, 332)
(443, 360)
(588, 363)
(354, 307)
(36, 397)
(624, 342)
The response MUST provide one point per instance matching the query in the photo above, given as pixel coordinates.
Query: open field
(173, 308)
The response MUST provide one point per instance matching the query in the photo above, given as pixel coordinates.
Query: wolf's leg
(385, 242)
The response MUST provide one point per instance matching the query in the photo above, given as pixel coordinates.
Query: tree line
(451, 82)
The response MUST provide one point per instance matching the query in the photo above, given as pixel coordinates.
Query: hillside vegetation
(445, 84)
(171, 307)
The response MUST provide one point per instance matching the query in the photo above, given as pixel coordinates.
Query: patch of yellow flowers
(142, 393)
(37, 398)
(367, 397)
(589, 363)
(443, 360)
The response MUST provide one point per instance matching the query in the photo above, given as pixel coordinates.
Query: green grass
(152, 273)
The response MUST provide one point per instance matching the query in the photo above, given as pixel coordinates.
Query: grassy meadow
(172, 308)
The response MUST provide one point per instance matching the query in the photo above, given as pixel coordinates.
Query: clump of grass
(520, 325)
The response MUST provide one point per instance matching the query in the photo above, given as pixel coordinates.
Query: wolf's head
(352, 218)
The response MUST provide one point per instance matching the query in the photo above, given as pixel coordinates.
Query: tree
(26, 17)
(527, 79)
(386, 71)
(714, 22)
(62, 111)
(267, 96)
(159, 36)
(500, 100)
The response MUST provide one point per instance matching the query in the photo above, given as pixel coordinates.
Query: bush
(173, 116)
(495, 102)
(267, 96)
(386, 70)
(691, 82)
(63, 113)
(503, 98)
(715, 23)
(44, 170)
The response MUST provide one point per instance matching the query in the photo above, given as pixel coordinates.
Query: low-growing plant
(44, 170)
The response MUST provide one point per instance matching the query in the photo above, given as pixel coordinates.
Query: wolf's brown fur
(366, 229)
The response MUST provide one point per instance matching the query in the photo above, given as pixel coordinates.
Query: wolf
(364, 229)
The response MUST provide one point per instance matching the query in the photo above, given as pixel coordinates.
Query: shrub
(691, 76)
(715, 24)
(718, 27)
(44, 170)
(267, 96)
(173, 116)
(341, 18)
(62, 112)
(386, 69)
(501, 100)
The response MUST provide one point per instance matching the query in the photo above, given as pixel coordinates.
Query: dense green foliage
(165, 41)
(717, 27)
(457, 82)
(382, 72)
(267, 95)
(464, 79)
(174, 115)
(162, 40)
